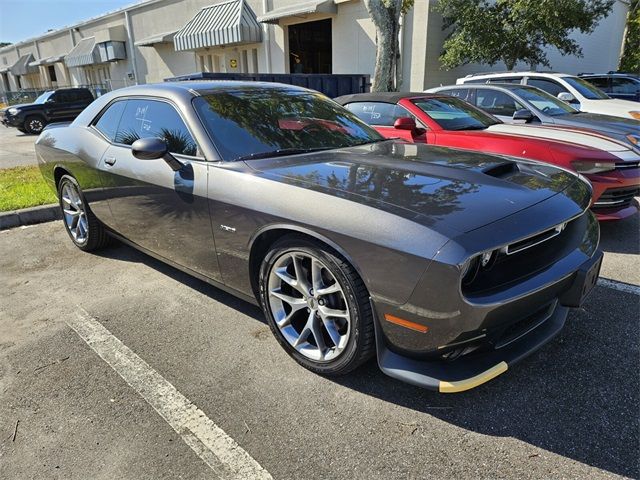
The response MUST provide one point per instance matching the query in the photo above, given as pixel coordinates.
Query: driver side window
(143, 118)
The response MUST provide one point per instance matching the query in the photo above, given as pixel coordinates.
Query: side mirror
(405, 123)
(153, 148)
(523, 114)
(566, 97)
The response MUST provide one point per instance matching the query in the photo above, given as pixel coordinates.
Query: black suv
(52, 106)
(615, 84)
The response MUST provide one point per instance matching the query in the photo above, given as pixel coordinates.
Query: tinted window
(256, 121)
(549, 86)
(377, 113)
(505, 80)
(600, 82)
(625, 85)
(454, 114)
(151, 118)
(496, 103)
(109, 120)
(44, 97)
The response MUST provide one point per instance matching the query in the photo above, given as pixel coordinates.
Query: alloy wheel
(75, 215)
(309, 306)
(35, 125)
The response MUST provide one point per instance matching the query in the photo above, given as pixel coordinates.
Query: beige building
(156, 39)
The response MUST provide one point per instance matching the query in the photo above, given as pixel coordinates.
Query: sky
(22, 19)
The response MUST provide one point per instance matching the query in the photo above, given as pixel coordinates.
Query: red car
(611, 166)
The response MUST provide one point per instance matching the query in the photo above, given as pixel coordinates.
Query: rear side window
(378, 113)
(600, 82)
(548, 86)
(153, 118)
(457, 92)
(505, 80)
(108, 122)
(496, 103)
(83, 96)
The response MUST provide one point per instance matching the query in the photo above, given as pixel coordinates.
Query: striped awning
(47, 61)
(84, 53)
(21, 67)
(300, 9)
(225, 23)
(166, 37)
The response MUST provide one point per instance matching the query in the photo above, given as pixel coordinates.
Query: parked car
(568, 88)
(450, 265)
(514, 103)
(61, 105)
(617, 85)
(611, 166)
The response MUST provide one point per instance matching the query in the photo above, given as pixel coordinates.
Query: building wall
(601, 50)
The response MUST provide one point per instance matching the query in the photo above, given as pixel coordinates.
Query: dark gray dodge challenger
(449, 265)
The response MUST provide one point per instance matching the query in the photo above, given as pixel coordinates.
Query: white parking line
(219, 451)
(621, 286)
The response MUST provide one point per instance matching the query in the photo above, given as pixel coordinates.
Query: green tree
(630, 59)
(4, 44)
(512, 31)
(385, 15)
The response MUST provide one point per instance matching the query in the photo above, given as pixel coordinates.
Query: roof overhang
(84, 53)
(227, 23)
(301, 9)
(47, 61)
(22, 66)
(166, 37)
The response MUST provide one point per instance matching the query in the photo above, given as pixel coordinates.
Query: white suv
(569, 88)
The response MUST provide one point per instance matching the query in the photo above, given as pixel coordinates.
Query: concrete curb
(29, 216)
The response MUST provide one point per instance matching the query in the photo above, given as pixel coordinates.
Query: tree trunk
(386, 19)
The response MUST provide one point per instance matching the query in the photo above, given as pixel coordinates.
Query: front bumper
(11, 121)
(498, 351)
(614, 192)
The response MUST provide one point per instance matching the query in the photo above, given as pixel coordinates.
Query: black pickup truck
(61, 105)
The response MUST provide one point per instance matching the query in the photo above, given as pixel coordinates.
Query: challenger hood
(434, 186)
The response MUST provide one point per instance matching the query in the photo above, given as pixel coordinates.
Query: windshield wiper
(473, 127)
(281, 152)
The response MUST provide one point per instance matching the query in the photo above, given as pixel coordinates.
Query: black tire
(34, 124)
(360, 345)
(96, 235)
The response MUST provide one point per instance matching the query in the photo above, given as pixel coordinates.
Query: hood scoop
(502, 170)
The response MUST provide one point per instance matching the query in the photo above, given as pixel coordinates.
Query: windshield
(586, 89)
(253, 122)
(43, 98)
(455, 114)
(544, 102)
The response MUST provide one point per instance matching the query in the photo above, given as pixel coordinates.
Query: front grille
(625, 165)
(617, 197)
(520, 328)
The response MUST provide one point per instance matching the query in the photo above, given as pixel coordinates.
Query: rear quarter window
(108, 122)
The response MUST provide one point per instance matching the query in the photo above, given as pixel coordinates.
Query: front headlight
(12, 111)
(593, 166)
(635, 114)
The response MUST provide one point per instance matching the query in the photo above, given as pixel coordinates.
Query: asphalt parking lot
(70, 409)
(570, 411)
(16, 148)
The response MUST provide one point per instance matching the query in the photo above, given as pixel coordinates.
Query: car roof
(383, 97)
(523, 73)
(200, 87)
(495, 85)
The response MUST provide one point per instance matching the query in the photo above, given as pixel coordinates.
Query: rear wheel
(85, 230)
(317, 306)
(34, 124)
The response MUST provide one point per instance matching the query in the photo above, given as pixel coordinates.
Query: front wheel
(317, 306)
(85, 230)
(34, 124)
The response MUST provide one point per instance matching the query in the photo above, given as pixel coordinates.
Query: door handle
(110, 160)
